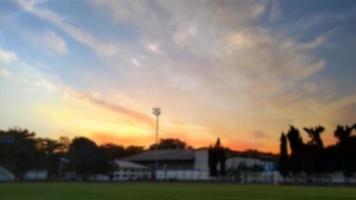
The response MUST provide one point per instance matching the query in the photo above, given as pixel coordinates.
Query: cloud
(259, 134)
(55, 43)
(7, 56)
(100, 47)
(5, 72)
(275, 10)
(137, 115)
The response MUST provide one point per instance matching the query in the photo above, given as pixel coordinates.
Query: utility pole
(156, 111)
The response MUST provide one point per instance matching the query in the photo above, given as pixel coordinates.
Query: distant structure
(193, 164)
(5, 175)
(157, 112)
(126, 170)
(175, 164)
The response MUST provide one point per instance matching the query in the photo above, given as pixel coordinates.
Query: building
(36, 175)
(264, 165)
(5, 175)
(193, 164)
(126, 170)
(175, 164)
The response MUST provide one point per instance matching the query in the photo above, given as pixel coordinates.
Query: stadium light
(157, 112)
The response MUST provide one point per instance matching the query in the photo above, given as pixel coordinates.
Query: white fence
(182, 175)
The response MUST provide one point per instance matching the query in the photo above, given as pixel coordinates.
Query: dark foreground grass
(167, 191)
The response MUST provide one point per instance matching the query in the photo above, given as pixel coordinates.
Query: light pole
(156, 111)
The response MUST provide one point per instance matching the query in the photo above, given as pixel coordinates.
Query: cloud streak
(7, 56)
(55, 43)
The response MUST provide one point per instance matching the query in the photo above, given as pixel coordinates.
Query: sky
(242, 71)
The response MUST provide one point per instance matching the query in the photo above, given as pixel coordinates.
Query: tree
(113, 151)
(18, 151)
(347, 149)
(283, 156)
(169, 143)
(217, 156)
(212, 162)
(50, 152)
(86, 158)
(132, 150)
(342, 133)
(314, 134)
(297, 150)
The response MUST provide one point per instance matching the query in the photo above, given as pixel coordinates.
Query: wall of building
(131, 174)
(201, 159)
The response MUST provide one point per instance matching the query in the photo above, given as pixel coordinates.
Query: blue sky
(239, 70)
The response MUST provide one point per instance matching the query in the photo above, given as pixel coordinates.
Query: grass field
(167, 191)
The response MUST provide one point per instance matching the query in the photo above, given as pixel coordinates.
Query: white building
(5, 175)
(235, 162)
(175, 164)
(36, 175)
(127, 170)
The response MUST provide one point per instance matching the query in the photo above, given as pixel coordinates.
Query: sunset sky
(239, 70)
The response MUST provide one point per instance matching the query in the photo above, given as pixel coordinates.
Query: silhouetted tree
(113, 151)
(342, 133)
(283, 156)
(297, 147)
(314, 158)
(169, 143)
(132, 150)
(314, 134)
(347, 149)
(212, 162)
(217, 156)
(18, 151)
(49, 154)
(86, 158)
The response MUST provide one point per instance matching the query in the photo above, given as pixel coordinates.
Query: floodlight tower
(156, 111)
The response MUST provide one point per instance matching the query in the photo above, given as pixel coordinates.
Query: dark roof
(163, 154)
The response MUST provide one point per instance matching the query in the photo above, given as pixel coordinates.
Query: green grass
(167, 191)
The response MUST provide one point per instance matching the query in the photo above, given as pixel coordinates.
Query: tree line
(21, 150)
(313, 157)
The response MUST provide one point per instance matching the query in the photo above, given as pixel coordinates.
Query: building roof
(128, 165)
(5, 175)
(163, 154)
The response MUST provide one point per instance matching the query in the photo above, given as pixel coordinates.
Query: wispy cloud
(5, 72)
(7, 56)
(137, 115)
(55, 43)
(84, 37)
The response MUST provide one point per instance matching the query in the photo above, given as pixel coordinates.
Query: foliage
(313, 157)
(87, 158)
(283, 156)
(217, 156)
(169, 143)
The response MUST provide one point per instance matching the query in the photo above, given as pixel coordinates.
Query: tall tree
(343, 133)
(217, 156)
(314, 134)
(297, 150)
(283, 156)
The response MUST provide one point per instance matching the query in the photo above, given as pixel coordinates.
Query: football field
(167, 191)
